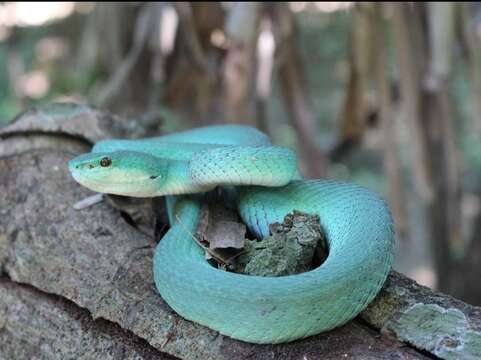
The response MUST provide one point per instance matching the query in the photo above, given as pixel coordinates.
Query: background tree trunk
(296, 97)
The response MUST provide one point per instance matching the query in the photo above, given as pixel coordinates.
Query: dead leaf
(226, 234)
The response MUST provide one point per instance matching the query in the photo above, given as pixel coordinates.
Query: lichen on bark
(290, 249)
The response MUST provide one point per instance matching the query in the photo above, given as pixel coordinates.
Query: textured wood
(34, 325)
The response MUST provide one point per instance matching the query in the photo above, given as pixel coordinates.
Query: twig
(88, 201)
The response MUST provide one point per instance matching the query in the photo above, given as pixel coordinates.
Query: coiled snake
(356, 222)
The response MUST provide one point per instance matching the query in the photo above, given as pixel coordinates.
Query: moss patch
(291, 249)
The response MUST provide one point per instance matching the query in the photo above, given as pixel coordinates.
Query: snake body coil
(356, 222)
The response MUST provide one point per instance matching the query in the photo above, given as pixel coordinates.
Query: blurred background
(384, 94)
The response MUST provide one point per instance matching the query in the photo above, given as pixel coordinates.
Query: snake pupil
(106, 161)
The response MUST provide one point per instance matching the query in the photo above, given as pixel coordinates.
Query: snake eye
(106, 161)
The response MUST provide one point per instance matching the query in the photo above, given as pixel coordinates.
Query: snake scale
(267, 186)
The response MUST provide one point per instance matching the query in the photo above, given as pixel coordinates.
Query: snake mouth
(141, 186)
(85, 179)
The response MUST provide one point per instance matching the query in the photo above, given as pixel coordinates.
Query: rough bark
(42, 326)
(436, 323)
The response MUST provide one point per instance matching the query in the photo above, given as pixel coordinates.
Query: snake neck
(179, 180)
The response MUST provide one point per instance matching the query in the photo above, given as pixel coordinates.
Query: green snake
(267, 185)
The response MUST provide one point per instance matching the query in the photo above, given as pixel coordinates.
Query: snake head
(127, 173)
